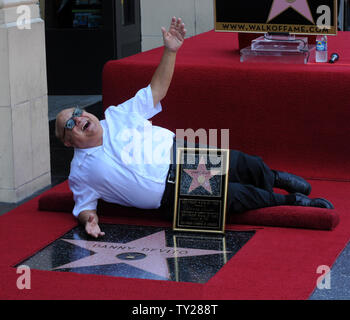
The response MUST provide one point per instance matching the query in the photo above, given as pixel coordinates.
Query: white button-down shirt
(131, 166)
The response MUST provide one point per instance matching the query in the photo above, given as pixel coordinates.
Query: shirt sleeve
(84, 196)
(141, 103)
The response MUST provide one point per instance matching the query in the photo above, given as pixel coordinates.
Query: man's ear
(67, 143)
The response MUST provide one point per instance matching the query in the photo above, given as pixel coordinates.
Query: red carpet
(277, 263)
(295, 117)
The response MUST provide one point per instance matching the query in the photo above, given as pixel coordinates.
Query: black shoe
(305, 201)
(291, 183)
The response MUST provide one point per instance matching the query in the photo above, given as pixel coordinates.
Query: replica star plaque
(201, 189)
(277, 16)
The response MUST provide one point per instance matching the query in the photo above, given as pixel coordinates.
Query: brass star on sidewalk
(149, 253)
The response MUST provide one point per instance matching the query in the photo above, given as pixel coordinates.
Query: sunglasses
(70, 124)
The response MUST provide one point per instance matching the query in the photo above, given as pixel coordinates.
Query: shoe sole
(327, 204)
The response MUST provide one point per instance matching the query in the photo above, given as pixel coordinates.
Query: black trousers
(250, 185)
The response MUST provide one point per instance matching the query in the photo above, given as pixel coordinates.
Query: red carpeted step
(281, 216)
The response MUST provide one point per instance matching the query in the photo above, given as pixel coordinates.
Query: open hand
(174, 38)
(92, 228)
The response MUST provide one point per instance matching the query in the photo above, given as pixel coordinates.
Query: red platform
(294, 116)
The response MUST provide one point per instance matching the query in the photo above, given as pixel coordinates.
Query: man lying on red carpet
(102, 168)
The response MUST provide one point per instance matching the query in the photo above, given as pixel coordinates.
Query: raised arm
(173, 40)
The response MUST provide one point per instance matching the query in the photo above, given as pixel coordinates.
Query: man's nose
(78, 120)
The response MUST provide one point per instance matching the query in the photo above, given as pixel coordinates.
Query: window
(128, 12)
(74, 14)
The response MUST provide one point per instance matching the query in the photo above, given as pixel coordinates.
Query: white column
(198, 16)
(24, 131)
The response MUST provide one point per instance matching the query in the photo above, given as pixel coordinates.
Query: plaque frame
(258, 21)
(218, 198)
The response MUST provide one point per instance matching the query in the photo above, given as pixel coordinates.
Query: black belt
(172, 168)
(167, 204)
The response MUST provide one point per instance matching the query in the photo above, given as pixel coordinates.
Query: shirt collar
(81, 154)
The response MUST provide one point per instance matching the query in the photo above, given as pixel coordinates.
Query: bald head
(86, 133)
